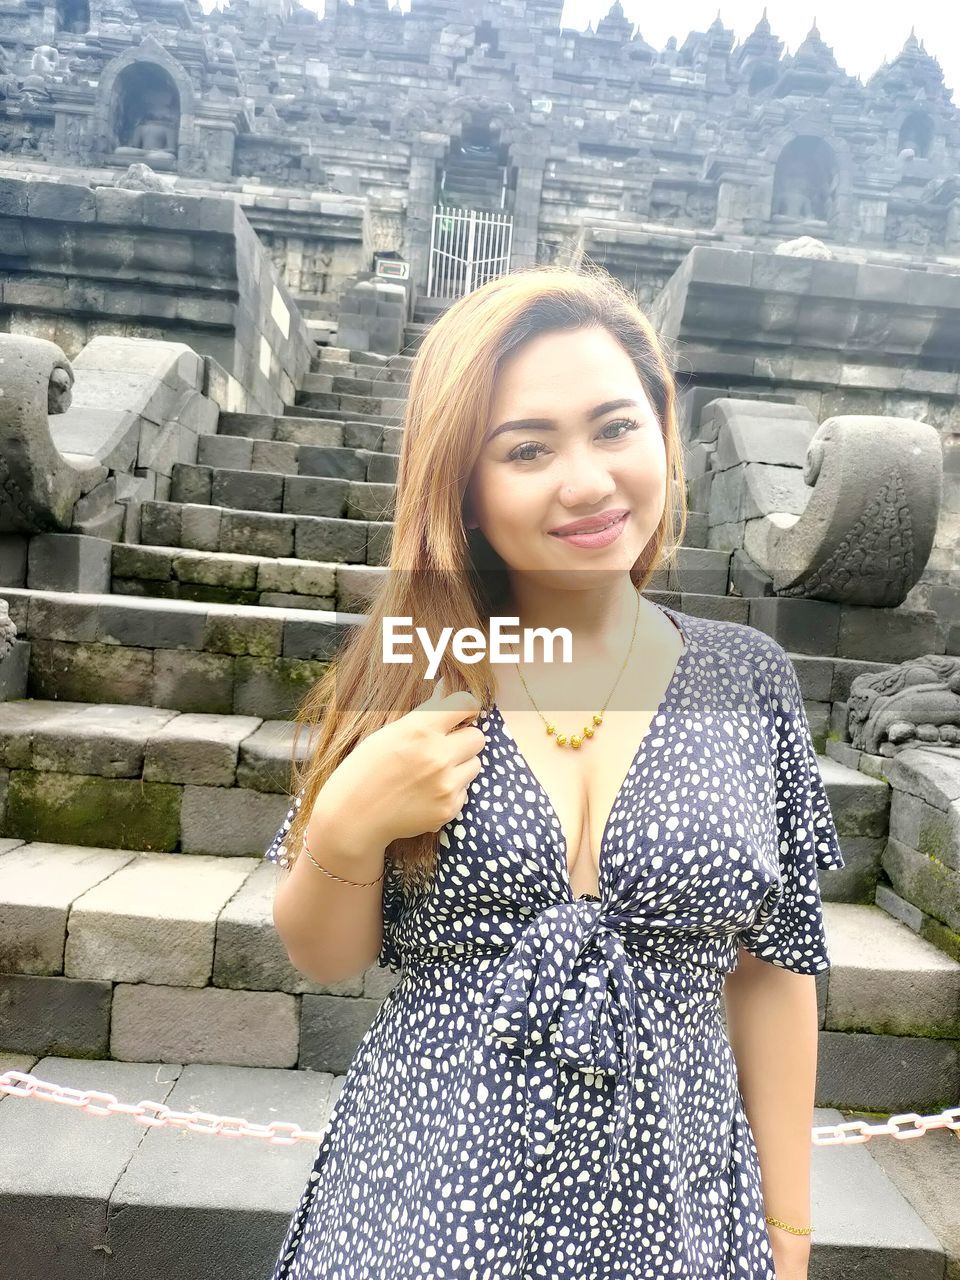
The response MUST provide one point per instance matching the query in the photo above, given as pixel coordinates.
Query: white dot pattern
(548, 1092)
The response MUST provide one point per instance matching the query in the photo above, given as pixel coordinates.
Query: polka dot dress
(548, 1091)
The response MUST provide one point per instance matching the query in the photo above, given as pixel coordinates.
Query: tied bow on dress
(566, 993)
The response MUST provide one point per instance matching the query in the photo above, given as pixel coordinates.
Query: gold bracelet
(358, 883)
(797, 1231)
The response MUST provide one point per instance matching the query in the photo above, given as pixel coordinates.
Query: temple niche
(805, 182)
(73, 16)
(916, 135)
(145, 115)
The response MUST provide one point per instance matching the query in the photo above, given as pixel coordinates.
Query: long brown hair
(440, 574)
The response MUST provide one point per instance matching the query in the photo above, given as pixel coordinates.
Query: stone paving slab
(61, 1166)
(166, 1201)
(80, 1193)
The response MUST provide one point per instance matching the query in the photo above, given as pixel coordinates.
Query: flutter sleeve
(389, 955)
(792, 933)
(276, 851)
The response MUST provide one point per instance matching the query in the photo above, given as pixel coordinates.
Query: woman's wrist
(349, 849)
(787, 1245)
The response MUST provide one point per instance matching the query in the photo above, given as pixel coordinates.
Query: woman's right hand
(407, 777)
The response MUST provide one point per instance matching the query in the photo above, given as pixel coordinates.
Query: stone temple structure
(222, 239)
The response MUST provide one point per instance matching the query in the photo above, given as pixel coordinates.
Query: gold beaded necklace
(575, 740)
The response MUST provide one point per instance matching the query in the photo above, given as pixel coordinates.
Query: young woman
(585, 864)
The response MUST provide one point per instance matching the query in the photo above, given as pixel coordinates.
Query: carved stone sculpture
(140, 177)
(917, 703)
(60, 389)
(845, 511)
(804, 247)
(153, 138)
(39, 486)
(792, 199)
(869, 524)
(43, 66)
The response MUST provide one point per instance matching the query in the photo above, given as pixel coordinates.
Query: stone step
(248, 453)
(379, 359)
(172, 573)
(313, 431)
(358, 379)
(178, 600)
(136, 777)
(380, 405)
(342, 358)
(212, 658)
(128, 775)
(394, 420)
(374, 387)
(206, 527)
(875, 1208)
(354, 539)
(414, 336)
(279, 493)
(181, 952)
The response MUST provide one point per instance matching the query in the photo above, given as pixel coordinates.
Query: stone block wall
(80, 262)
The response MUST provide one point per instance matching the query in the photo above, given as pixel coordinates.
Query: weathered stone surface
(922, 878)
(38, 885)
(153, 920)
(200, 749)
(229, 820)
(332, 1027)
(920, 990)
(887, 1074)
(867, 510)
(249, 953)
(56, 1015)
(200, 273)
(175, 1024)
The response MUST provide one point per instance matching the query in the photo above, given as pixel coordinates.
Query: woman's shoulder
(745, 658)
(727, 638)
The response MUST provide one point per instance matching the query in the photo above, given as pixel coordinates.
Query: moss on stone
(932, 838)
(71, 808)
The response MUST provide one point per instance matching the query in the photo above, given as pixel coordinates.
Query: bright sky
(861, 36)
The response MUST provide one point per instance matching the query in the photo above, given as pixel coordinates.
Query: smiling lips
(591, 524)
(600, 531)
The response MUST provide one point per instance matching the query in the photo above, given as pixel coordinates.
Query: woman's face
(532, 478)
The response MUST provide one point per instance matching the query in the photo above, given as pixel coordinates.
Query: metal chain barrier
(156, 1115)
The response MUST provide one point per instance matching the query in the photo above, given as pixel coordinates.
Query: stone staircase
(147, 771)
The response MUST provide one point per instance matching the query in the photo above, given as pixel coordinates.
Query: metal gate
(467, 248)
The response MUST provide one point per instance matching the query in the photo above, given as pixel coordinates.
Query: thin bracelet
(358, 883)
(797, 1231)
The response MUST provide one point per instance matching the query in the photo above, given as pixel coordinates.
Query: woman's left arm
(771, 1016)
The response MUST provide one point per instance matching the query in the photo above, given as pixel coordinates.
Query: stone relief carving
(8, 630)
(917, 703)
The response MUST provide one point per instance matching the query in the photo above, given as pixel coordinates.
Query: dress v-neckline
(639, 758)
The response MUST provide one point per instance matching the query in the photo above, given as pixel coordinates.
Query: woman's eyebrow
(548, 424)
